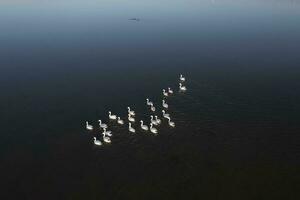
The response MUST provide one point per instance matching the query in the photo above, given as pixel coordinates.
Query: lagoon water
(237, 126)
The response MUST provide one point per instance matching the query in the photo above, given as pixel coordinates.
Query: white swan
(153, 130)
(131, 119)
(172, 124)
(106, 139)
(144, 127)
(131, 112)
(164, 104)
(88, 126)
(120, 121)
(165, 115)
(131, 129)
(165, 93)
(158, 121)
(105, 132)
(111, 116)
(181, 87)
(102, 125)
(149, 103)
(97, 142)
(153, 121)
(170, 91)
(152, 108)
(181, 78)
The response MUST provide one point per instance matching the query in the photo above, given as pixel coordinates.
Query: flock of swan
(131, 117)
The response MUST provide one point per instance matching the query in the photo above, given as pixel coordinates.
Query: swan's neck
(151, 125)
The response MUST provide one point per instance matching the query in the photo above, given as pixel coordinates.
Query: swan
(181, 87)
(131, 129)
(97, 142)
(158, 121)
(144, 127)
(153, 121)
(153, 130)
(131, 112)
(111, 116)
(170, 91)
(172, 124)
(164, 104)
(181, 78)
(165, 93)
(88, 126)
(165, 115)
(105, 132)
(131, 119)
(102, 125)
(152, 108)
(149, 103)
(106, 139)
(120, 121)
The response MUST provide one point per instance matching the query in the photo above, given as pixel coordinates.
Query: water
(237, 126)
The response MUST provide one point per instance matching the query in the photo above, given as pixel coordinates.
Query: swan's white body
(153, 121)
(170, 91)
(120, 121)
(165, 115)
(165, 93)
(88, 126)
(131, 112)
(105, 132)
(158, 121)
(152, 129)
(106, 139)
(164, 104)
(112, 116)
(172, 124)
(102, 125)
(181, 87)
(131, 119)
(149, 103)
(130, 128)
(152, 108)
(97, 142)
(144, 127)
(181, 78)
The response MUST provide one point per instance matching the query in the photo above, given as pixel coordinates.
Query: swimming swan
(88, 126)
(131, 112)
(131, 129)
(120, 121)
(165, 115)
(158, 121)
(131, 119)
(111, 116)
(181, 87)
(165, 93)
(181, 78)
(149, 103)
(164, 104)
(144, 127)
(152, 108)
(172, 124)
(153, 130)
(97, 142)
(102, 125)
(170, 91)
(106, 139)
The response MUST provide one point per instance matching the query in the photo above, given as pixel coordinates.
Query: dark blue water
(237, 126)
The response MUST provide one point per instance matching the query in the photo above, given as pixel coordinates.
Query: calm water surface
(237, 126)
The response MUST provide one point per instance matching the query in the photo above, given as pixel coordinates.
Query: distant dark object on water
(135, 19)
